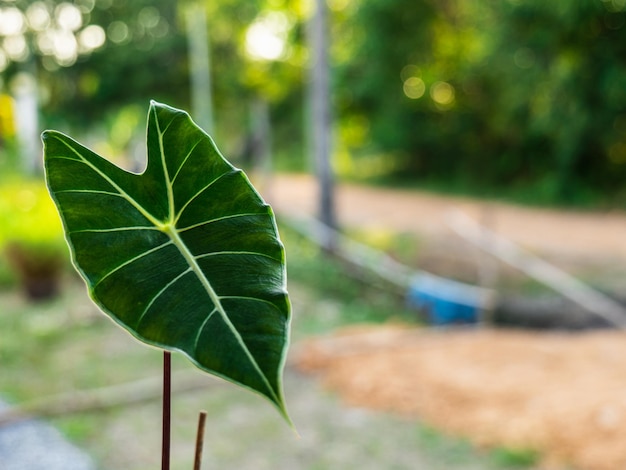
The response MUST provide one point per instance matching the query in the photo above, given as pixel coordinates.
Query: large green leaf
(185, 255)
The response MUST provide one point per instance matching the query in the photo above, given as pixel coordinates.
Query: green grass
(337, 294)
(515, 458)
(455, 451)
(66, 345)
(448, 450)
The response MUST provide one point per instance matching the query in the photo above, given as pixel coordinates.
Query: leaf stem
(199, 440)
(167, 410)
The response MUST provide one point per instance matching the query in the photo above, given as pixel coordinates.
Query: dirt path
(556, 233)
(559, 394)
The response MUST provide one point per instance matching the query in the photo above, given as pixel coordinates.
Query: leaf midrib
(171, 230)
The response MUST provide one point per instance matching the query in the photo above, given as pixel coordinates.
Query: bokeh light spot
(442, 93)
(149, 17)
(15, 47)
(118, 32)
(38, 16)
(409, 71)
(68, 17)
(92, 37)
(12, 21)
(266, 38)
(414, 88)
(65, 48)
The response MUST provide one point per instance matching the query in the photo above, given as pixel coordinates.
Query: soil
(561, 394)
(555, 233)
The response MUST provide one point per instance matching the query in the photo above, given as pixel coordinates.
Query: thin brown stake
(199, 440)
(167, 410)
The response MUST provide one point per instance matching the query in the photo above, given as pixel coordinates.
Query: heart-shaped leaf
(185, 255)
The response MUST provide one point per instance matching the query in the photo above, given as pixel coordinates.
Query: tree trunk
(199, 66)
(320, 113)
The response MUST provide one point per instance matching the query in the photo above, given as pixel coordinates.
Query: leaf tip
(154, 104)
(47, 134)
(282, 410)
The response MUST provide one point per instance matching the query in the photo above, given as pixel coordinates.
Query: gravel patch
(35, 445)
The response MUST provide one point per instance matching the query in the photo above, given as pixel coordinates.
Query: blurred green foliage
(9, 158)
(522, 97)
(343, 294)
(27, 213)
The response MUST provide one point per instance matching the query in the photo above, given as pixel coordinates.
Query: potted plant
(31, 237)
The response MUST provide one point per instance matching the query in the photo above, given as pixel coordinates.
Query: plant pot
(38, 268)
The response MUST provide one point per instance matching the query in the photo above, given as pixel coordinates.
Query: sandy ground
(551, 232)
(563, 395)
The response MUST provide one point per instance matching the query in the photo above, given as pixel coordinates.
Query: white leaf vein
(116, 229)
(233, 252)
(192, 198)
(159, 294)
(168, 181)
(132, 260)
(185, 161)
(201, 329)
(245, 297)
(90, 191)
(217, 219)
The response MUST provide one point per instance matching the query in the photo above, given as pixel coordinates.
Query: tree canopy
(495, 94)
(523, 95)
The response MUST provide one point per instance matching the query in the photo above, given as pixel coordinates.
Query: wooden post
(167, 410)
(320, 113)
(199, 66)
(24, 88)
(261, 146)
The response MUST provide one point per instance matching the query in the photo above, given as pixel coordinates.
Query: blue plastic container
(447, 302)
